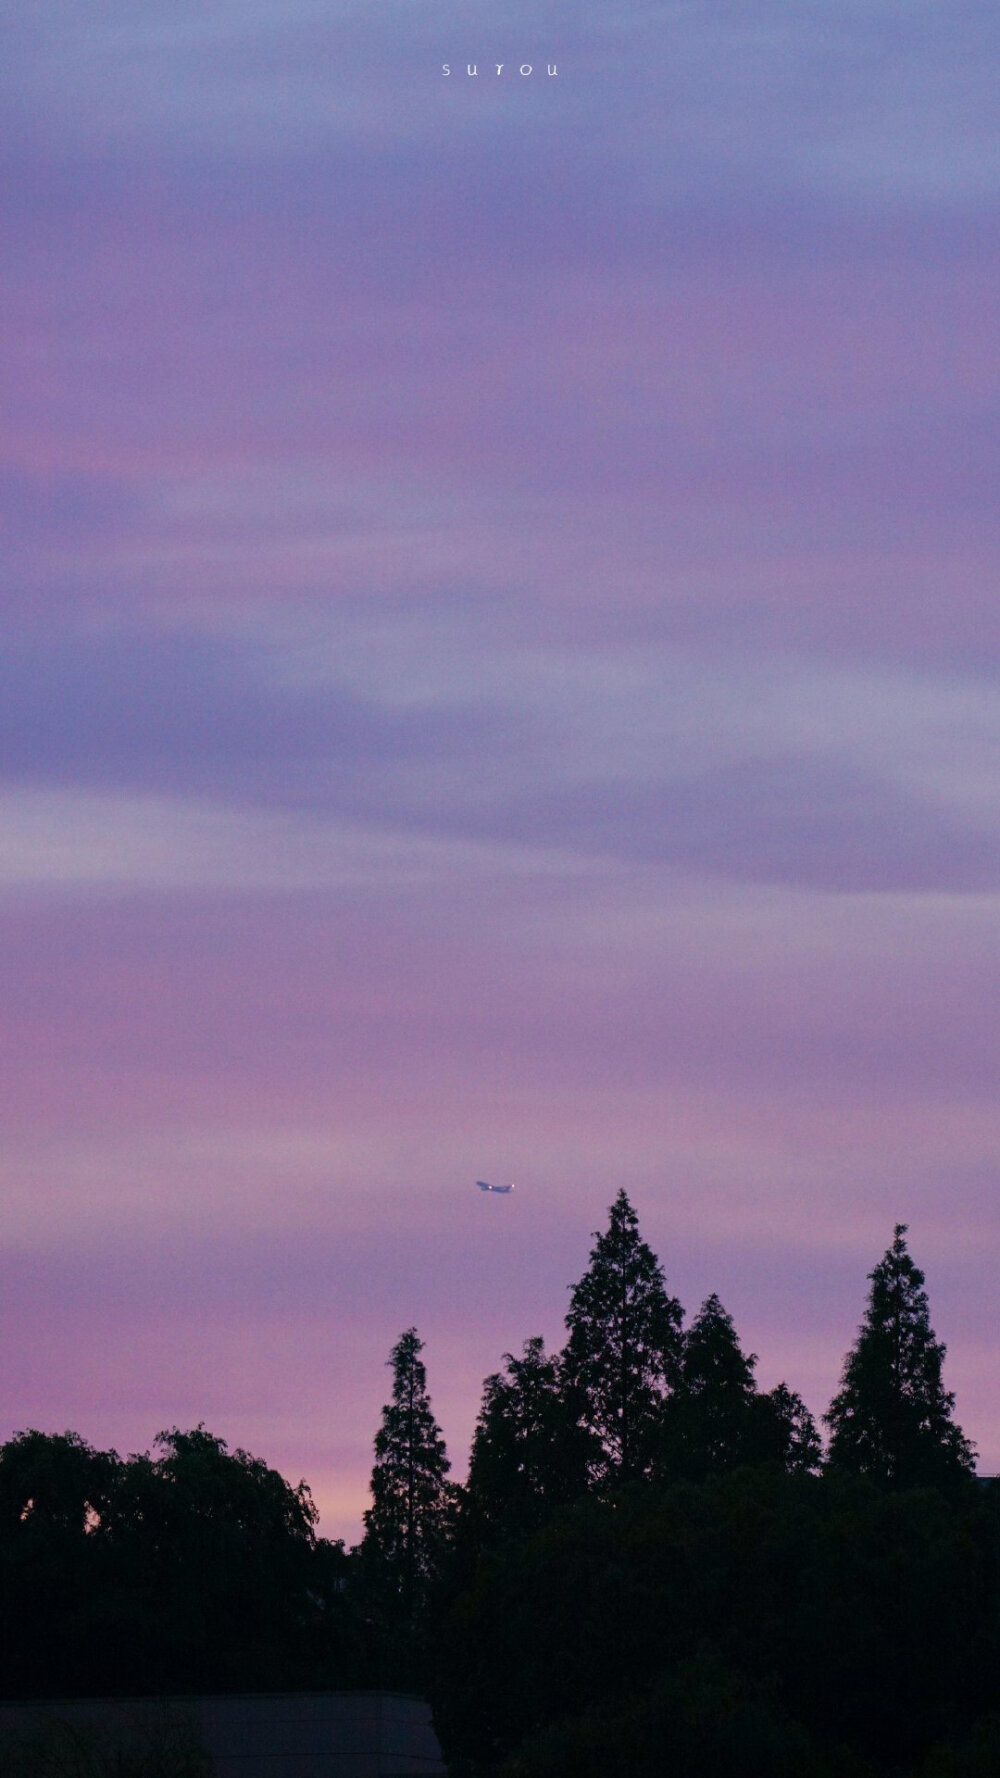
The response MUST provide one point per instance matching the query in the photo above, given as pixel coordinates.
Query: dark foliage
(700, 1720)
(530, 1453)
(754, 1618)
(648, 1571)
(706, 1424)
(783, 1431)
(402, 1553)
(973, 1755)
(194, 1568)
(717, 1419)
(153, 1743)
(623, 1353)
(892, 1417)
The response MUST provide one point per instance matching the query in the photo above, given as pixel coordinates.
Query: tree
(406, 1522)
(892, 1417)
(623, 1351)
(190, 1568)
(782, 1430)
(207, 1482)
(56, 1500)
(717, 1418)
(707, 1422)
(860, 1623)
(217, 1567)
(528, 1452)
(56, 1483)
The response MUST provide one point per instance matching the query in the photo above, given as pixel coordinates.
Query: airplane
(502, 1189)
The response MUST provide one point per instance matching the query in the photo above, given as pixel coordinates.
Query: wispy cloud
(498, 670)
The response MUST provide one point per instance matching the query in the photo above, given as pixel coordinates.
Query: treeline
(188, 1569)
(654, 1566)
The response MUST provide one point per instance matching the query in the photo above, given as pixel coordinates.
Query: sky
(498, 679)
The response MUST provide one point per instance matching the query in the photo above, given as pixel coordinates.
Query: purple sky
(498, 678)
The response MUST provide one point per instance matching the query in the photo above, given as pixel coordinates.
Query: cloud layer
(498, 674)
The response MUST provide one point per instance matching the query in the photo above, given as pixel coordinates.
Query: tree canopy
(406, 1524)
(623, 1350)
(707, 1423)
(892, 1416)
(191, 1567)
(750, 1625)
(529, 1450)
(650, 1567)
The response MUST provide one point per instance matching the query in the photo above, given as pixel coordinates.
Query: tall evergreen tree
(623, 1351)
(405, 1524)
(892, 1417)
(529, 1454)
(707, 1423)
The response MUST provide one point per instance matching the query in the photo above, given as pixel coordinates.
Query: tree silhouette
(623, 1352)
(529, 1453)
(707, 1422)
(406, 1522)
(750, 1625)
(55, 1482)
(782, 1430)
(892, 1417)
(189, 1568)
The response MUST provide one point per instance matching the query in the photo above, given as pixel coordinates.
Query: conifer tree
(623, 1351)
(405, 1524)
(782, 1430)
(892, 1417)
(707, 1423)
(718, 1419)
(528, 1452)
